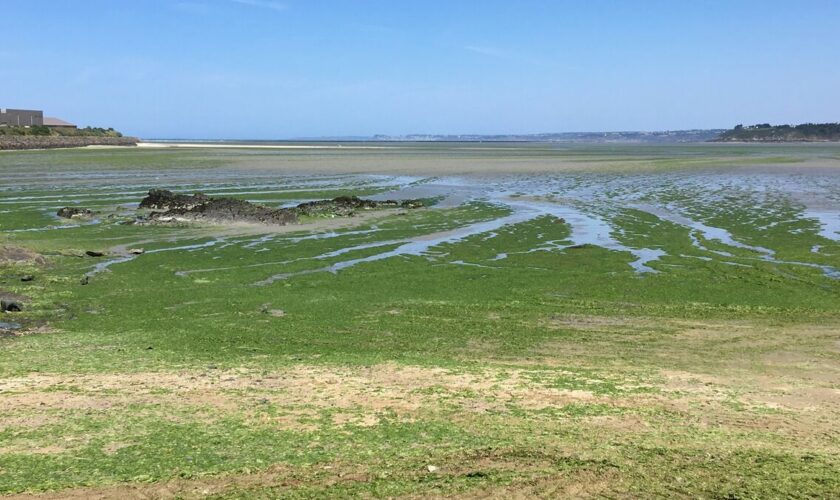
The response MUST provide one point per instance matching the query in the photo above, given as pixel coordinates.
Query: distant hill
(807, 132)
(669, 136)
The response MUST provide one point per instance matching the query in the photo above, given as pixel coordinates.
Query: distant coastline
(625, 137)
(763, 133)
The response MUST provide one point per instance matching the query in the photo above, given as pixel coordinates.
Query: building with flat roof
(21, 117)
(31, 118)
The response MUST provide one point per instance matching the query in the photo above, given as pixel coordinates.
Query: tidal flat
(555, 321)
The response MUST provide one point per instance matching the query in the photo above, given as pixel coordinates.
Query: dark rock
(201, 207)
(10, 306)
(163, 199)
(71, 212)
(412, 204)
(94, 253)
(27, 277)
(229, 210)
(85, 280)
(347, 205)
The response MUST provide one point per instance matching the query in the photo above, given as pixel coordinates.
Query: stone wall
(50, 142)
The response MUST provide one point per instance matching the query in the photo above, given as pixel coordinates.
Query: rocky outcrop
(347, 205)
(74, 212)
(228, 210)
(182, 207)
(52, 142)
(163, 199)
(10, 306)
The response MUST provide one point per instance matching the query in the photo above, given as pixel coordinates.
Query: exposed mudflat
(555, 321)
(594, 206)
(590, 206)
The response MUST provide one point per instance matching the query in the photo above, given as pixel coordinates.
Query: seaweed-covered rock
(348, 205)
(229, 210)
(412, 204)
(163, 199)
(74, 212)
(180, 207)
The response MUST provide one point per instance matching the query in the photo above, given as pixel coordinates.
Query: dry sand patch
(18, 255)
(355, 395)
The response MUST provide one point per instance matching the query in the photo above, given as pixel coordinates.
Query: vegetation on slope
(764, 132)
(43, 131)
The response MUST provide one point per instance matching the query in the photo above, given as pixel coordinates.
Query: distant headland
(806, 132)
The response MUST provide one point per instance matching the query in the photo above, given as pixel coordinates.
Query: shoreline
(34, 142)
(205, 145)
(369, 145)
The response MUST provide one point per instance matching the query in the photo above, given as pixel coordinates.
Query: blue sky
(292, 68)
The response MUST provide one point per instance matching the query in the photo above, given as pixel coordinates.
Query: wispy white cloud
(264, 4)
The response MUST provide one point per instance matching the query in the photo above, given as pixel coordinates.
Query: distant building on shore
(30, 118)
(21, 117)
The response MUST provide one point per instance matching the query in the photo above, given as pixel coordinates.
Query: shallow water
(591, 204)
(588, 204)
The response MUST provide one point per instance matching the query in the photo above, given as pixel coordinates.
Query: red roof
(55, 122)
